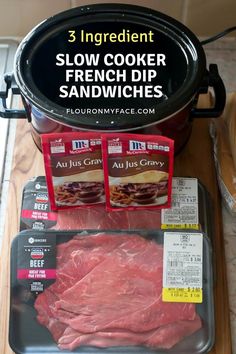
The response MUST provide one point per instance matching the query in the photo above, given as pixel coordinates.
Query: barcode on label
(175, 204)
(184, 208)
(175, 264)
(185, 238)
(182, 259)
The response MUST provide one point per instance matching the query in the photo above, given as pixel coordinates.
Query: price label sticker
(193, 295)
(182, 267)
(183, 213)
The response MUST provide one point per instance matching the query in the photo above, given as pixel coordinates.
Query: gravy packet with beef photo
(138, 171)
(73, 167)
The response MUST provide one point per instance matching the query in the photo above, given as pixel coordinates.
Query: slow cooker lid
(40, 79)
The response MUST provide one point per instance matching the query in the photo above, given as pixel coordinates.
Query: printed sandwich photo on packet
(138, 171)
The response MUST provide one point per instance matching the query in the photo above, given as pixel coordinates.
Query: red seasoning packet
(73, 167)
(138, 171)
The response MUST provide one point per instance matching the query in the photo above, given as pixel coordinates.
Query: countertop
(223, 53)
(27, 161)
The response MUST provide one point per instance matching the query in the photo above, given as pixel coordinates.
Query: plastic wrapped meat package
(98, 218)
(36, 213)
(107, 292)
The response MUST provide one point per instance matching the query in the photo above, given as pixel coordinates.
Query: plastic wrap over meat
(36, 214)
(108, 293)
(99, 219)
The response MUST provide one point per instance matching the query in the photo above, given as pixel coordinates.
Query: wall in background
(203, 17)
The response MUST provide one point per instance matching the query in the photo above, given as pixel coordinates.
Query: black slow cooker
(38, 79)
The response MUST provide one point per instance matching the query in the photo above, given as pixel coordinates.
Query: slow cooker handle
(7, 83)
(213, 80)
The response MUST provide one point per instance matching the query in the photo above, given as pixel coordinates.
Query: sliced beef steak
(99, 219)
(108, 293)
(163, 337)
(45, 315)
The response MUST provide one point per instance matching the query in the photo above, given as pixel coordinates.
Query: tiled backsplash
(204, 17)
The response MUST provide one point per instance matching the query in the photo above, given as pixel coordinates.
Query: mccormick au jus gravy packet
(73, 167)
(138, 171)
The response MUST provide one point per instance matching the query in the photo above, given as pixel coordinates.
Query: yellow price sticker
(192, 295)
(180, 226)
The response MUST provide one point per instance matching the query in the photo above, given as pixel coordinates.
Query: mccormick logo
(57, 146)
(37, 253)
(137, 145)
(80, 144)
(41, 198)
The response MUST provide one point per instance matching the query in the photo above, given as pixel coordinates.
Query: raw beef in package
(89, 291)
(73, 167)
(36, 214)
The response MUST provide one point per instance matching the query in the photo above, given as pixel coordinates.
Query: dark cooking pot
(182, 78)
